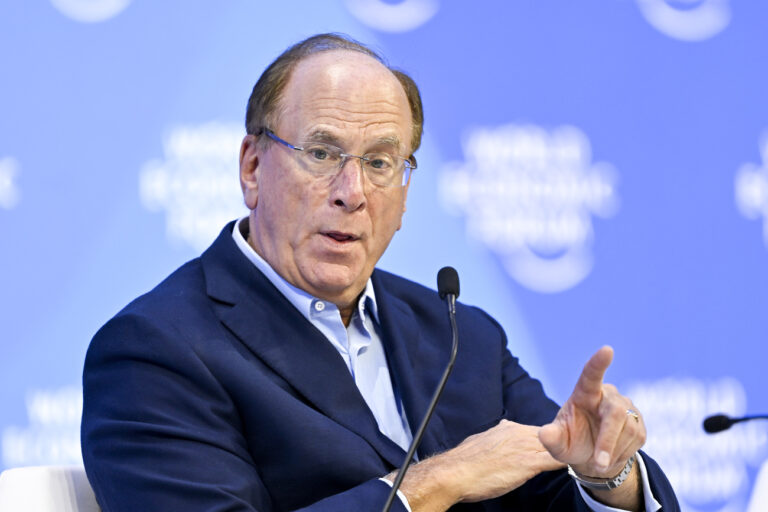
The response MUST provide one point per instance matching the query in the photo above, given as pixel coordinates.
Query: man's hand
(483, 466)
(597, 430)
(592, 432)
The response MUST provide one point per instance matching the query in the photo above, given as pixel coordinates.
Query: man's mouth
(340, 237)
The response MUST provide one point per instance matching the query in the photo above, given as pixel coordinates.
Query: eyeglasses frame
(408, 164)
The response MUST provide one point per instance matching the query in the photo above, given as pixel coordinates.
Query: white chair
(46, 489)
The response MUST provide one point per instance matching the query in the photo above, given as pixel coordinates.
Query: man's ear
(249, 165)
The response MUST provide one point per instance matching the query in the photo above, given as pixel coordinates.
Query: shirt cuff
(651, 505)
(400, 495)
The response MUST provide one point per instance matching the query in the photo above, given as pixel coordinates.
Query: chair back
(46, 489)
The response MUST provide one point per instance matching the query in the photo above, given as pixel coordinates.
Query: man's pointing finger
(591, 380)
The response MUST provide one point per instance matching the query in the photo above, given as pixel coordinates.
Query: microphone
(448, 282)
(448, 289)
(720, 422)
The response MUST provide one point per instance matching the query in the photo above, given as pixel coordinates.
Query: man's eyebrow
(329, 138)
(323, 136)
(392, 140)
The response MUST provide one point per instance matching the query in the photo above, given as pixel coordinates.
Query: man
(279, 371)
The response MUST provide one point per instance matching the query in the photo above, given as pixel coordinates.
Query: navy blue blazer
(212, 392)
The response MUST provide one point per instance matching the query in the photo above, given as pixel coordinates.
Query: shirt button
(319, 305)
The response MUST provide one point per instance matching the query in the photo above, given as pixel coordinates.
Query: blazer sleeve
(160, 433)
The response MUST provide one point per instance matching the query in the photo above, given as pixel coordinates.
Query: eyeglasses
(321, 159)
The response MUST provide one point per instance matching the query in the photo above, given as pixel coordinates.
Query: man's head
(324, 234)
(264, 103)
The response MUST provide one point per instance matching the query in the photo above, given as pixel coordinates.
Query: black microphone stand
(451, 300)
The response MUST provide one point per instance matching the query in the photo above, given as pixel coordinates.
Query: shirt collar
(300, 299)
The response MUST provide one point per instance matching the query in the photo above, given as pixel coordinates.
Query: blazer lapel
(414, 376)
(265, 321)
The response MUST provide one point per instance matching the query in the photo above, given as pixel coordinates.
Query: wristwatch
(603, 484)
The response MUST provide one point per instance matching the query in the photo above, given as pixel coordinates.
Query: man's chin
(337, 282)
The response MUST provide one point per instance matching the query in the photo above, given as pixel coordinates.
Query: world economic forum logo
(90, 11)
(529, 194)
(751, 188)
(52, 432)
(708, 472)
(393, 16)
(196, 182)
(687, 20)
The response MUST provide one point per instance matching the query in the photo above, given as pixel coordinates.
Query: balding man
(281, 370)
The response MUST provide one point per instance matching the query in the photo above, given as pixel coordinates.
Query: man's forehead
(346, 74)
(331, 89)
(341, 58)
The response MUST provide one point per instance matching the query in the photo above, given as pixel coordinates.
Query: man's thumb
(554, 438)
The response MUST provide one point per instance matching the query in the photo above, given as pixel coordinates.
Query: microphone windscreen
(448, 282)
(717, 423)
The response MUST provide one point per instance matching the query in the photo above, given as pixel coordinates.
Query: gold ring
(632, 413)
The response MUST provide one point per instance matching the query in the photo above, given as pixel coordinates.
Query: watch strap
(603, 484)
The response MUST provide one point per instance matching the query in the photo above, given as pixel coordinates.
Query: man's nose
(348, 187)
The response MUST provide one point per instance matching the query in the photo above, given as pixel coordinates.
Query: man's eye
(380, 163)
(318, 153)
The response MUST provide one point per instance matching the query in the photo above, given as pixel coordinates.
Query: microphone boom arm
(451, 300)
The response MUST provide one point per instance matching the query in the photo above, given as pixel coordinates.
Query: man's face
(325, 234)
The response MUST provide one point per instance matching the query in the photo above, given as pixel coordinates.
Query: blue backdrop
(597, 171)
